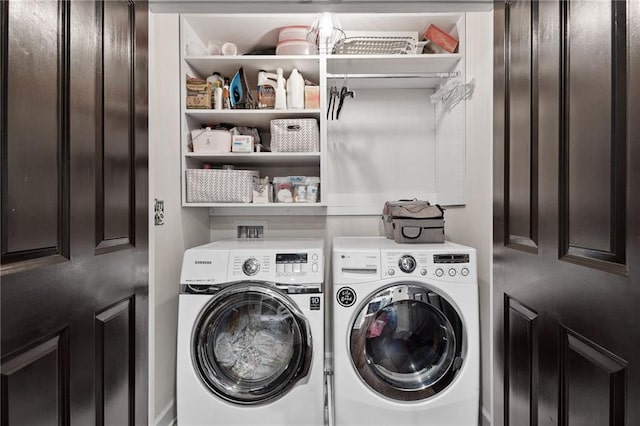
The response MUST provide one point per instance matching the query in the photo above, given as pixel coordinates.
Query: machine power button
(314, 267)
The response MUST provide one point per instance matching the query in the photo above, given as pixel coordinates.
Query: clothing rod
(398, 75)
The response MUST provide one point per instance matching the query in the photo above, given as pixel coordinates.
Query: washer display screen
(291, 258)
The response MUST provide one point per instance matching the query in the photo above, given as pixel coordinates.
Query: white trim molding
(167, 416)
(485, 417)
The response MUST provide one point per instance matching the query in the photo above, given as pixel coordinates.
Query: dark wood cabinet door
(566, 209)
(73, 115)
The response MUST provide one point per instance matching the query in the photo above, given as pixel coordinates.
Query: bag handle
(201, 133)
(409, 236)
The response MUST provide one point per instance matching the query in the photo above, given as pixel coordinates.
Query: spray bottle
(267, 83)
(295, 90)
(281, 92)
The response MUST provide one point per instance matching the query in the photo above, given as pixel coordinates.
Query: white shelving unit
(390, 128)
(249, 117)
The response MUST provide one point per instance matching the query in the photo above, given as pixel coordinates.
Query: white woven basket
(220, 186)
(295, 135)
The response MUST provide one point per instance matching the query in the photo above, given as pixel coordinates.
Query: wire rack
(377, 43)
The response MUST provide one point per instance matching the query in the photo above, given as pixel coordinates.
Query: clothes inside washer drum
(256, 347)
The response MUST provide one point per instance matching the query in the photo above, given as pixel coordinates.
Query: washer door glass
(406, 342)
(251, 344)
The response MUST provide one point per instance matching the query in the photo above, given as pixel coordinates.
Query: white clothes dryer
(406, 333)
(251, 334)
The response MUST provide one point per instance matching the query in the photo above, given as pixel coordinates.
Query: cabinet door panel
(34, 130)
(581, 281)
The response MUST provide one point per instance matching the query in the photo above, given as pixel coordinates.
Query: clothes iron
(240, 96)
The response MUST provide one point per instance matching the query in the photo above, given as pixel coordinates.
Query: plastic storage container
(294, 32)
(296, 47)
(296, 189)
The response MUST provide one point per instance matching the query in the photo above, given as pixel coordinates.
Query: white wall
(183, 228)
(471, 225)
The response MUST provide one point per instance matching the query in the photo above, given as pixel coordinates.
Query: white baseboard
(485, 417)
(167, 416)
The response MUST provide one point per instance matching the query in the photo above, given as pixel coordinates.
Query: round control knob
(251, 266)
(439, 272)
(314, 257)
(464, 272)
(391, 272)
(452, 272)
(407, 264)
(423, 271)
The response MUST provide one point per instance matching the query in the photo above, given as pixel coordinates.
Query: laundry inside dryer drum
(249, 347)
(406, 342)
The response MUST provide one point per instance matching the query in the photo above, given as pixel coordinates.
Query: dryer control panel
(451, 267)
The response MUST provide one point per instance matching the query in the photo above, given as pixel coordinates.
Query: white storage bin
(295, 135)
(220, 186)
(211, 141)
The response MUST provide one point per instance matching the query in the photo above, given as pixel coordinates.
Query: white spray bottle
(281, 92)
(267, 84)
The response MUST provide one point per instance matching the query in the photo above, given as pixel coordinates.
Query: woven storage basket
(295, 135)
(220, 186)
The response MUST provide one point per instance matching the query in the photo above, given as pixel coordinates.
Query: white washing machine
(251, 333)
(406, 333)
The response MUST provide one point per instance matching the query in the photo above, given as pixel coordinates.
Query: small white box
(242, 143)
(262, 193)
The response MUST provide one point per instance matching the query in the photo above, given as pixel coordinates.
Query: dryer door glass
(251, 344)
(406, 342)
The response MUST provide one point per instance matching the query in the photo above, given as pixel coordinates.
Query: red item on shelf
(441, 38)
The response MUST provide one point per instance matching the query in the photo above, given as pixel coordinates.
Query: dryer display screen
(450, 258)
(291, 258)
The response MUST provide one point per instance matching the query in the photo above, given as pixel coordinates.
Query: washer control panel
(295, 266)
(292, 264)
(452, 267)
